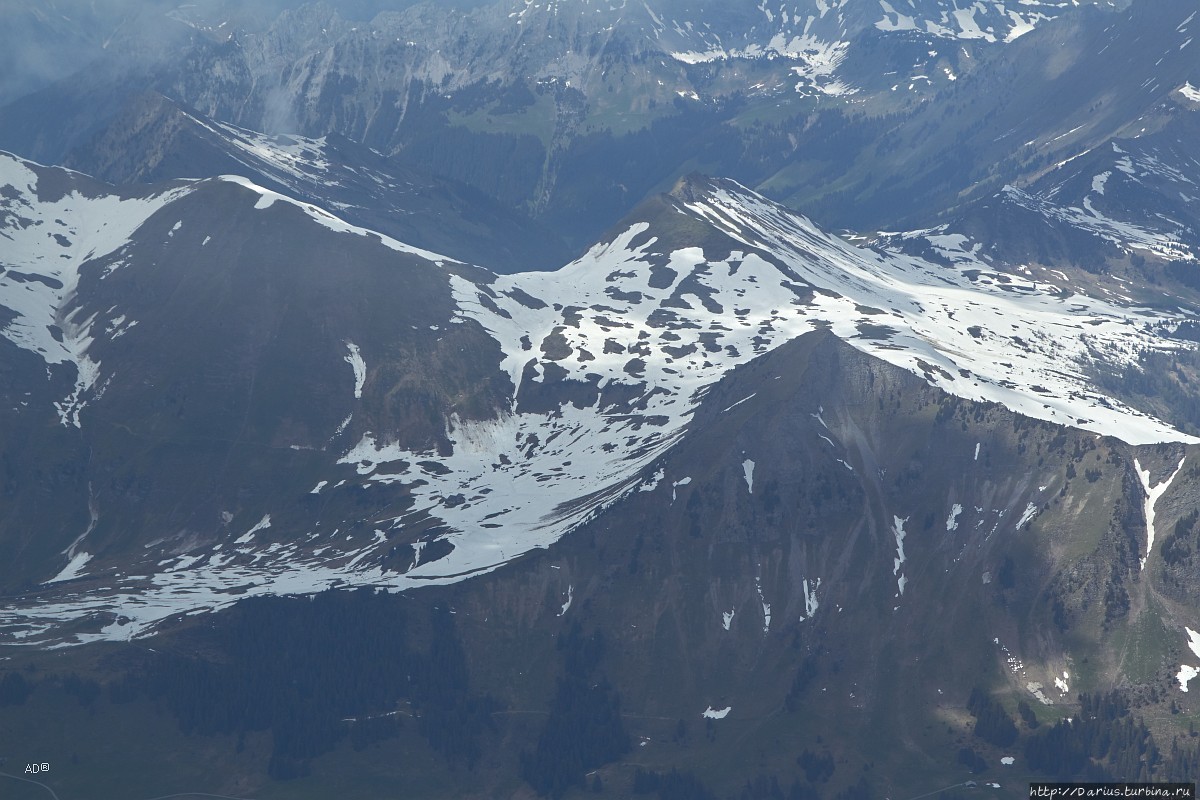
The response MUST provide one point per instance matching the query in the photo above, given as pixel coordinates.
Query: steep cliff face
(839, 579)
(838, 561)
(228, 331)
(357, 409)
(154, 139)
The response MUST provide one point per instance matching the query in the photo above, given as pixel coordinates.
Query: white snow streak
(355, 360)
(73, 569)
(1030, 512)
(898, 530)
(262, 524)
(952, 520)
(810, 599)
(1152, 495)
(766, 607)
(570, 598)
(739, 402)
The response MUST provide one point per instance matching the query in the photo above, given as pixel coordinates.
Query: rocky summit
(565, 398)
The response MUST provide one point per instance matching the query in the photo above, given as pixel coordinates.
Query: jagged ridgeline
(393, 402)
(573, 111)
(770, 493)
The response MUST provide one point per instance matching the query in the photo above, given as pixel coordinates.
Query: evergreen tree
(14, 690)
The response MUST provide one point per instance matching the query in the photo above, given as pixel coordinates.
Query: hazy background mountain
(574, 112)
(563, 398)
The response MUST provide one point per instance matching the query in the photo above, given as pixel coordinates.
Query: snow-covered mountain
(573, 112)
(407, 420)
(1117, 219)
(876, 457)
(397, 57)
(154, 139)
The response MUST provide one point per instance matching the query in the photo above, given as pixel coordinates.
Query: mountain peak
(693, 186)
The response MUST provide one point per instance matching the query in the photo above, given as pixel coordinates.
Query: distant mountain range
(691, 400)
(575, 112)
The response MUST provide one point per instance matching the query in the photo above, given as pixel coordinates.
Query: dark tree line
(673, 785)
(1106, 743)
(992, 722)
(769, 788)
(313, 671)
(14, 690)
(1027, 716)
(1178, 546)
(584, 729)
(970, 759)
(818, 767)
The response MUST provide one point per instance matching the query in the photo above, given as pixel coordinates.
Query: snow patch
(1030, 512)
(652, 484)
(262, 524)
(1152, 495)
(901, 22)
(1186, 673)
(711, 713)
(766, 607)
(810, 599)
(898, 529)
(73, 569)
(681, 482)
(952, 520)
(355, 360)
(967, 25)
(1193, 642)
(570, 598)
(1087, 217)
(748, 474)
(543, 458)
(1035, 689)
(85, 229)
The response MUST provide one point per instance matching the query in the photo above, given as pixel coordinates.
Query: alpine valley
(564, 398)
